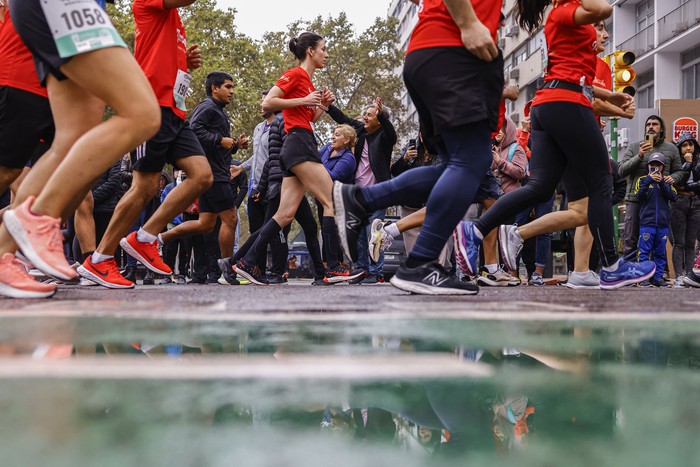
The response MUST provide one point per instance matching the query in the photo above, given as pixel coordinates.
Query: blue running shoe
(627, 273)
(467, 245)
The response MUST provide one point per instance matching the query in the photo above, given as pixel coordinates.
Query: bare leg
(7, 177)
(576, 215)
(411, 221)
(315, 178)
(583, 242)
(491, 240)
(227, 234)
(85, 224)
(204, 224)
(292, 192)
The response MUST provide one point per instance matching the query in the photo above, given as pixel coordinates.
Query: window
(520, 55)
(645, 91)
(691, 72)
(645, 14)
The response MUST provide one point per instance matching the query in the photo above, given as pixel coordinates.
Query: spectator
(255, 166)
(653, 193)
(685, 211)
(178, 249)
(634, 166)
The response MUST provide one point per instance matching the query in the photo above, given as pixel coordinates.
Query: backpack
(511, 154)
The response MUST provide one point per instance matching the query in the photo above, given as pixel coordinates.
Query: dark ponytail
(530, 13)
(299, 45)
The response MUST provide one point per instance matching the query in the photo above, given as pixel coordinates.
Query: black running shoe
(250, 272)
(349, 216)
(227, 271)
(431, 279)
(275, 279)
(341, 273)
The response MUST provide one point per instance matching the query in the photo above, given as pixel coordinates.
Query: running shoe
(583, 280)
(275, 279)
(145, 253)
(15, 281)
(696, 266)
(500, 278)
(372, 279)
(379, 239)
(349, 215)
(341, 273)
(661, 282)
(360, 278)
(627, 273)
(431, 279)
(321, 282)
(678, 282)
(691, 280)
(39, 237)
(228, 277)
(250, 273)
(511, 245)
(536, 280)
(467, 245)
(106, 273)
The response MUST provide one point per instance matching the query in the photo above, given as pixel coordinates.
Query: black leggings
(564, 133)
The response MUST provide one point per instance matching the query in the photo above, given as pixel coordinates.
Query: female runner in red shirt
(565, 131)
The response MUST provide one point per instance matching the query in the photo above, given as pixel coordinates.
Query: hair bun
(293, 45)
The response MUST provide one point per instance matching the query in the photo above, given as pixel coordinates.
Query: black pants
(211, 245)
(256, 215)
(564, 133)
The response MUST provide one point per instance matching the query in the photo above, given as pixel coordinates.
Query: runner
(454, 75)
(161, 50)
(72, 43)
(565, 132)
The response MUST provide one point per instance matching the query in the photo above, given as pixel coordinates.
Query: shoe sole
(628, 282)
(126, 246)
(247, 276)
(422, 289)
(489, 283)
(97, 279)
(374, 246)
(12, 292)
(574, 286)
(691, 283)
(339, 214)
(338, 279)
(222, 267)
(461, 254)
(503, 242)
(14, 227)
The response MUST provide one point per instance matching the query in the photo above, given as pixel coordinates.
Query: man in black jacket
(376, 138)
(211, 124)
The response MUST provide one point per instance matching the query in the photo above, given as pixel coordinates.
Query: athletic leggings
(564, 133)
(449, 188)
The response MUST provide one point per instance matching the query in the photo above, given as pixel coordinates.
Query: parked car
(395, 255)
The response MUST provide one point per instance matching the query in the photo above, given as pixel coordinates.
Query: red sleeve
(288, 80)
(564, 14)
(153, 4)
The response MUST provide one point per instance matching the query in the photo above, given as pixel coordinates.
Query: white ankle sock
(145, 237)
(491, 268)
(392, 229)
(160, 240)
(99, 257)
(612, 267)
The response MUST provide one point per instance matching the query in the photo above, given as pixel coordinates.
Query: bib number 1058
(77, 19)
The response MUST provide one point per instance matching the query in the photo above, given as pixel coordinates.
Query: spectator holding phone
(654, 191)
(634, 166)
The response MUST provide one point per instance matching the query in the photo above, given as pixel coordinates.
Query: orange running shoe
(146, 253)
(15, 281)
(106, 273)
(40, 239)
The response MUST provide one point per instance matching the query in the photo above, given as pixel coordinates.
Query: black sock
(259, 248)
(414, 261)
(331, 244)
(243, 250)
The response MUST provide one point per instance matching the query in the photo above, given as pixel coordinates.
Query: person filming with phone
(654, 191)
(634, 166)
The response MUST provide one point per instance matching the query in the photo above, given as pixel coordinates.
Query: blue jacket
(342, 166)
(653, 201)
(168, 188)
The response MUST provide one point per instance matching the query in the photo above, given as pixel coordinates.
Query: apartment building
(406, 13)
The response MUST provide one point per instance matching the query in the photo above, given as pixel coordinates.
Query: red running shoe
(145, 253)
(15, 281)
(106, 273)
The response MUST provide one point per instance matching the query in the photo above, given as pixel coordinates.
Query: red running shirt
(161, 49)
(436, 28)
(296, 83)
(603, 77)
(571, 51)
(16, 61)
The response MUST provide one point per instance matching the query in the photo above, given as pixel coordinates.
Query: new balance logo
(435, 279)
(353, 222)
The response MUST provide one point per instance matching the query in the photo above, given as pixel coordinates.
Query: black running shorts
(175, 140)
(218, 198)
(299, 146)
(25, 120)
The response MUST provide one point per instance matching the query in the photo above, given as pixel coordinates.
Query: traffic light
(623, 74)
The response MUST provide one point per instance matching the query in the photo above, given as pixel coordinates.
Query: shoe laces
(52, 229)
(15, 270)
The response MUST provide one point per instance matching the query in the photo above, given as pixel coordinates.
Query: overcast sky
(258, 16)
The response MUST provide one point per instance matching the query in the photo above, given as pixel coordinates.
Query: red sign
(685, 124)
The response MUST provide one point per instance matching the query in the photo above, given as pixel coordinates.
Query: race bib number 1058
(79, 26)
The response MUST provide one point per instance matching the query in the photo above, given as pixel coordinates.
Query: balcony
(679, 20)
(641, 42)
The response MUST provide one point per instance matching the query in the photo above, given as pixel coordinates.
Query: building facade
(406, 13)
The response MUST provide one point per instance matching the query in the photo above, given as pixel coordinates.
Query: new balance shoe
(15, 281)
(431, 279)
(661, 282)
(511, 245)
(500, 278)
(362, 276)
(467, 245)
(251, 273)
(145, 253)
(583, 280)
(627, 273)
(678, 283)
(341, 273)
(379, 239)
(536, 280)
(349, 216)
(228, 277)
(39, 237)
(106, 273)
(275, 279)
(692, 280)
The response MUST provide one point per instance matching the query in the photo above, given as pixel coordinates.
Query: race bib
(79, 26)
(182, 86)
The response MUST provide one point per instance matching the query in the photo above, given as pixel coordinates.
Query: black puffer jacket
(271, 177)
(108, 189)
